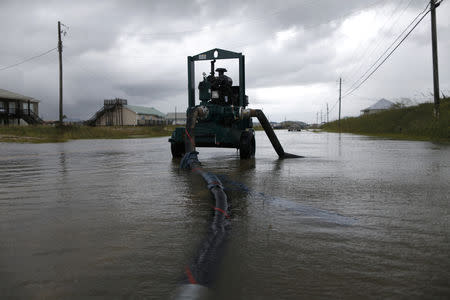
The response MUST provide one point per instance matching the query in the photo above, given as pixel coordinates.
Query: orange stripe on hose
(222, 211)
(190, 138)
(190, 276)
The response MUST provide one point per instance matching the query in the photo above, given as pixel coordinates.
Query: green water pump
(221, 119)
(223, 125)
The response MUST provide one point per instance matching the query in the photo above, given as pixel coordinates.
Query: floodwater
(356, 218)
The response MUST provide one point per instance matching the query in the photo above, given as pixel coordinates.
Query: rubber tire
(247, 145)
(177, 149)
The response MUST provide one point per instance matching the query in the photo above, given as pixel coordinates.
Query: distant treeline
(414, 122)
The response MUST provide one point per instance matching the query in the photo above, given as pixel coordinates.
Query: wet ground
(357, 218)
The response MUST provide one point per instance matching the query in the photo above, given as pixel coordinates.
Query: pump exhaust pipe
(199, 112)
(257, 113)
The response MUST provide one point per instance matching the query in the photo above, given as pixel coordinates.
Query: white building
(18, 109)
(117, 112)
(178, 118)
(381, 105)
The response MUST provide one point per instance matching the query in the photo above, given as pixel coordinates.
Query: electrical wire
(388, 48)
(333, 106)
(365, 52)
(28, 59)
(386, 58)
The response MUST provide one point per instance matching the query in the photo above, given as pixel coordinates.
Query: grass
(52, 134)
(258, 127)
(412, 123)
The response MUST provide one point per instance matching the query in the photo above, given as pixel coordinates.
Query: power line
(386, 58)
(28, 59)
(388, 48)
(366, 49)
(334, 105)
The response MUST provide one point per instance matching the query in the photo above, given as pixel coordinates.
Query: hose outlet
(203, 112)
(244, 113)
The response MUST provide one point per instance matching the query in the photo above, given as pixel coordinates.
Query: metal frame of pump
(218, 125)
(213, 55)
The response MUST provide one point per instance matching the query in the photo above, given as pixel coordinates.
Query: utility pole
(340, 87)
(317, 118)
(60, 76)
(433, 6)
(321, 121)
(175, 115)
(328, 114)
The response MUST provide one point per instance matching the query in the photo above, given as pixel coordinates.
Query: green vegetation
(412, 123)
(52, 134)
(258, 127)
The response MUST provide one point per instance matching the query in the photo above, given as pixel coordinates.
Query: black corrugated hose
(200, 274)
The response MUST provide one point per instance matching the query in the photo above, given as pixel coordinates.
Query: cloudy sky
(296, 51)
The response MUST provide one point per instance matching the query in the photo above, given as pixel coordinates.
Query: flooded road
(357, 218)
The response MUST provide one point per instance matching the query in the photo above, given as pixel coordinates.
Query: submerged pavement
(358, 217)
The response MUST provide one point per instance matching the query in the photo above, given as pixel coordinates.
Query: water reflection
(118, 219)
(62, 163)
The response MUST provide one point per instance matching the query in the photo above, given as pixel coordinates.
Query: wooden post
(328, 114)
(60, 75)
(340, 87)
(435, 58)
(7, 112)
(17, 111)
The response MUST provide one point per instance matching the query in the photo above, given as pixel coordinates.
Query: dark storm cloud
(157, 89)
(137, 49)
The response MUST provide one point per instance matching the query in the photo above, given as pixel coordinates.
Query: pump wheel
(247, 145)
(177, 149)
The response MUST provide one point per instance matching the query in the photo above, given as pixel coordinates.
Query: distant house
(117, 112)
(18, 109)
(380, 105)
(178, 118)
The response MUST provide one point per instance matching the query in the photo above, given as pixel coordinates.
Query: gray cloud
(157, 89)
(137, 49)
